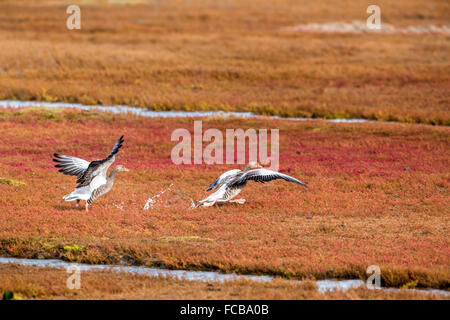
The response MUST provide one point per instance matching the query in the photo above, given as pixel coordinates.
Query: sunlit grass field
(378, 195)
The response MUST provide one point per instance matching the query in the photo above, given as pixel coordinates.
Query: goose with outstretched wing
(92, 178)
(231, 183)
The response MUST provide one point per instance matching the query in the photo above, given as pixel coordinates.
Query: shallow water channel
(204, 276)
(120, 109)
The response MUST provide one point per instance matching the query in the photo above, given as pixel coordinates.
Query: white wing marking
(70, 165)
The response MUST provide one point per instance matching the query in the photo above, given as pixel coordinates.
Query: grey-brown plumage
(92, 179)
(99, 167)
(231, 183)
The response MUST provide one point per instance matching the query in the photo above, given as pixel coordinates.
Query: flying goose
(231, 183)
(92, 181)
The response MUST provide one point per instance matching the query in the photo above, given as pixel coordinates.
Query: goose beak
(259, 166)
(125, 169)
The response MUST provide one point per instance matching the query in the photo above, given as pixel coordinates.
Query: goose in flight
(231, 183)
(92, 178)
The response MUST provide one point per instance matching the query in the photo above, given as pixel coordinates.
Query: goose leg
(240, 201)
(76, 204)
(87, 209)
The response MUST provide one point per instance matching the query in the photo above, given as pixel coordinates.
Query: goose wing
(71, 166)
(265, 175)
(220, 180)
(99, 167)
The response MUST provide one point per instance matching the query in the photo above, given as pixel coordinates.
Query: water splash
(151, 201)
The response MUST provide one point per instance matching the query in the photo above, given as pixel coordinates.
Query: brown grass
(40, 283)
(229, 55)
